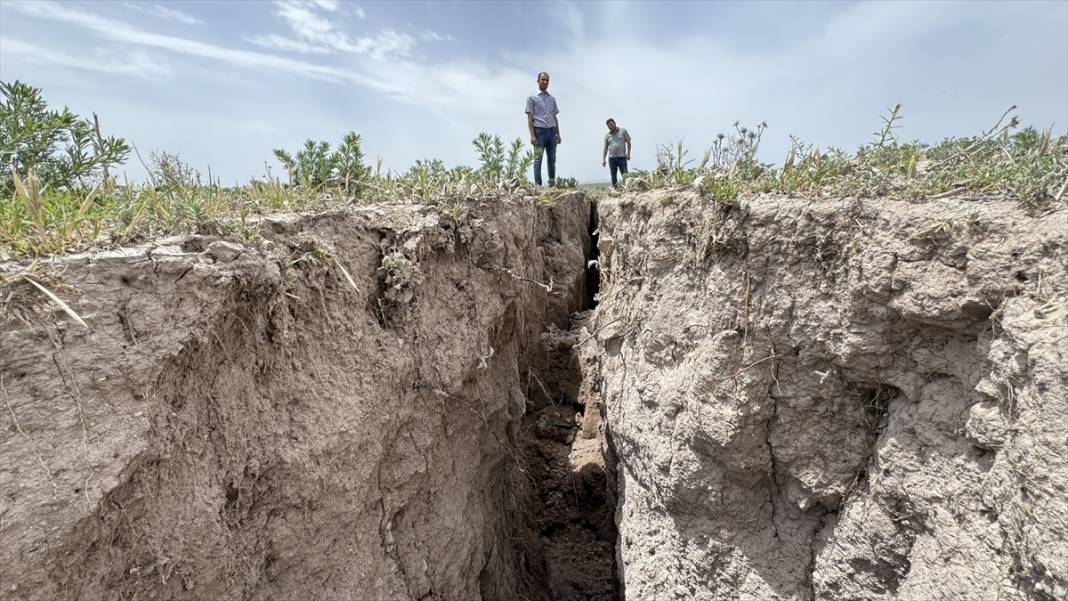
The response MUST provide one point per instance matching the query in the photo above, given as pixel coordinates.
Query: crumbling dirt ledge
(340, 423)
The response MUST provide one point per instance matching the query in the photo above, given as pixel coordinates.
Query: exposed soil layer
(773, 399)
(340, 420)
(564, 451)
(836, 399)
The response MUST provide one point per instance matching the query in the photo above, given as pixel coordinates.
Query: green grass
(1029, 166)
(35, 221)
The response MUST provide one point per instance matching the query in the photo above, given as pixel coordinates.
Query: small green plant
(974, 224)
(547, 198)
(168, 170)
(62, 150)
(934, 231)
(400, 277)
(308, 252)
(720, 189)
(395, 263)
(315, 166)
(495, 166)
(490, 151)
(457, 211)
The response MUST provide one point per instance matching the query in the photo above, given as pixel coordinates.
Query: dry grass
(1030, 166)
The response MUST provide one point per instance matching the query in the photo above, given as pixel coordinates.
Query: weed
(457, 211)
(308, 252)
(974, 224)
(1029, 166)
(933, 231)
(497, 169)
(399, 276)
(547, 198)
(64, 151)
(315, 166)
(394, 264)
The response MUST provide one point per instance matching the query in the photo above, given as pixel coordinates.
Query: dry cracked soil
(655, 397)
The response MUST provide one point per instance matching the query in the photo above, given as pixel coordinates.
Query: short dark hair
(610, 120)
(545, 73)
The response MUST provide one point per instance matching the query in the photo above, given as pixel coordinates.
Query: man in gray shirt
(544, 127)
(616, 148)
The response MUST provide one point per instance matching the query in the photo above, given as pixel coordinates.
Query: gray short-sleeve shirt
(617, 142)
(544, 108)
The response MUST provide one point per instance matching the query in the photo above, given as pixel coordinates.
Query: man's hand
(603, 163)
(533, 139)
(558, 140)
(628, 156)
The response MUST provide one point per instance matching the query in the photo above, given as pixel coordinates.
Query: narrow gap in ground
(593, 268)
(564, 448)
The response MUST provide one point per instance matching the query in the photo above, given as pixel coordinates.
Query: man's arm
(628, 144)
(604, 152)
(557, 119)
(530, 126)
(530, 120)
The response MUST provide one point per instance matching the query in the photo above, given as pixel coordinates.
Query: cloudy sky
(222, 83)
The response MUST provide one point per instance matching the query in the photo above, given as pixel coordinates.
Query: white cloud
(277, 42)
(163, 12)
(137, 64)
(314, 32)
(433, 36)
(360, 13)
(307, 23)
(123, 32)
(827, 84)
(385, 44)
(570, 19)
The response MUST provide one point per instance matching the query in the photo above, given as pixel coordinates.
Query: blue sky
(222, 83)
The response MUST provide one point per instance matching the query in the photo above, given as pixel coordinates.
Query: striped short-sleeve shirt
(544, 108)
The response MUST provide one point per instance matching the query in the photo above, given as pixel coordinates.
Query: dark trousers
(547, 143)
(617, 163)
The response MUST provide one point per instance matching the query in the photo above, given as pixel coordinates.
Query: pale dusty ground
(836, 399)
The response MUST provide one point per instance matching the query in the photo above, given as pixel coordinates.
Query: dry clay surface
(340, 424)
(836, 399)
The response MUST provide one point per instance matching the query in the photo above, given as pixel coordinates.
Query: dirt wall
(337, 423)
(836, 399)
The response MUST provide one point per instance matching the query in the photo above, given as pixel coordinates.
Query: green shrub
(495, 166)
(60, 149)
(315, 166)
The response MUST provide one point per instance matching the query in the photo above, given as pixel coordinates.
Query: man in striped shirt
(544, 128)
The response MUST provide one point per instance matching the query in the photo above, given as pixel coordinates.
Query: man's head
(611, 123)
(543, 81)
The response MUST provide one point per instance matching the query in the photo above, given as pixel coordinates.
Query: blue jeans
(547, 143)
(617, 163)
